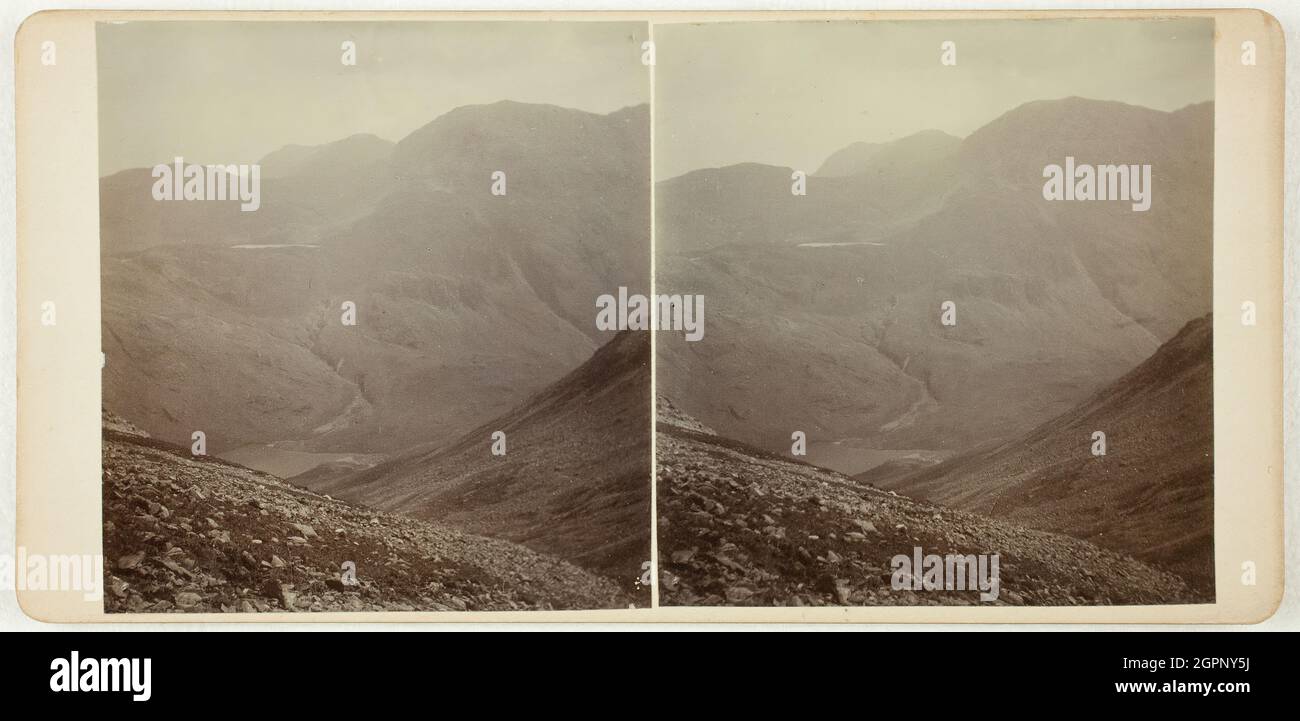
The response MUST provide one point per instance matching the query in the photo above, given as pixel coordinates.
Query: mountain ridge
(466, 302)
(840, 291)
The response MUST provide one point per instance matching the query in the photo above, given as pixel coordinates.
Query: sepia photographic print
(670, 317)
(348, 274)
(958, 280)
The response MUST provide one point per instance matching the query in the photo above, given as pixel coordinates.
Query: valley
(1151, 495)
(838, 292)
(465, 304)
(575, 482)
(382, 305)
(1067, 317)
(283, 462)
(739, 526)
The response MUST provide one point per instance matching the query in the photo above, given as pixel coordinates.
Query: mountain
(825, 309)
(304, 190)
(739, 526)
(573, 483)
(200, 535)
(231, 322)
(927, 147)
(1150, 496)
(341, 157)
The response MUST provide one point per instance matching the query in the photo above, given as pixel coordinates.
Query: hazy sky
(791, 94)
(231, 92)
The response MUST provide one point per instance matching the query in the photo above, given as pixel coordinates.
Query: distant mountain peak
(524, 140)
(339, 156)
(925, 146)
(1072, 113)
(503, 112)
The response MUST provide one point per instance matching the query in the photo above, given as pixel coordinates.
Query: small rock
(843, 591)
(865, 526)
(739, 594)
(188, 599)
(176, 567)
(669, 581)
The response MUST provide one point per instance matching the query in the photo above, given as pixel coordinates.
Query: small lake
(285, 463)
(850, 457)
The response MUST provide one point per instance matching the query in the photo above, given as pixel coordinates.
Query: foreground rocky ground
(741, 527)
(197, 534)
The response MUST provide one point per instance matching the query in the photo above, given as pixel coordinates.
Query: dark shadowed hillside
(1150, 496)
(574, 482)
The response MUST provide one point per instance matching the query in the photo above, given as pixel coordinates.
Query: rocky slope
(196, 534)
(574, 481)
(1150, 496)
(741, 527)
